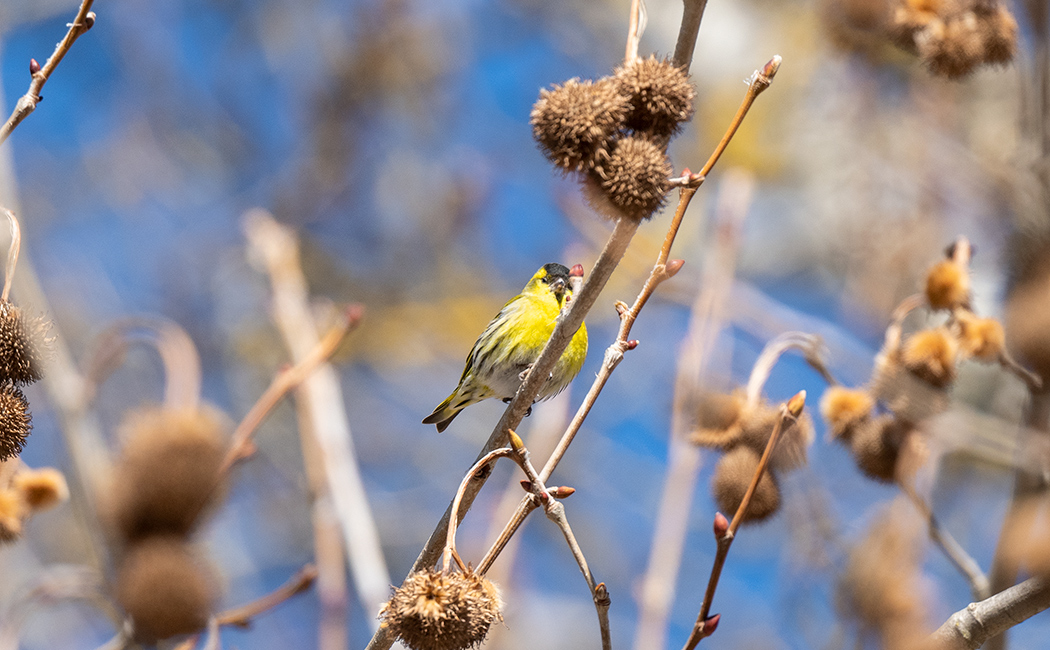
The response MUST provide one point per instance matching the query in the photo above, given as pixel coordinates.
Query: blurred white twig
(969, 628)
(276, 248)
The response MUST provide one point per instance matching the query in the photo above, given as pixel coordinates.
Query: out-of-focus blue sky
(393, 135)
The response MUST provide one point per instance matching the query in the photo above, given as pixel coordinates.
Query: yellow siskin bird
(512, 342)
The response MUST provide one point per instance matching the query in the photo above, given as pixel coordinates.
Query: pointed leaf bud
(673, 267)
(516, 442)
(34, 67)
(797, 403)
(721, 526)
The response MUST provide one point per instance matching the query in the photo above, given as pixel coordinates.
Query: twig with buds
(556, 512)
(26, 104)
(725, 531)
(449, 551)
(243, 615)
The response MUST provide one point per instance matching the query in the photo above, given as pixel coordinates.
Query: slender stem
(635, 27)
(954, 551)
(556, 513)
(969, 628)
(182, 366)
(789, 413)
(284, 383)
(453, 522)
(243, 615)
(12, 253)
(27, 103)
(771, 353)
(687, 34)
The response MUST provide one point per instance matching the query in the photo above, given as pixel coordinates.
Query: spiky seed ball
(981, 338)
(15, 421)
(574, 122)
(733, 476)
(951, 49)
(930, 354)
(167, 475)
(660, 93)
(633, 182)
(876, 447)
(442, 611)
(998, 31)
(23, 342)
(12, 515)
(41, 488)
(717, 416)
(844, 408)
(947, 285)
(164, 589)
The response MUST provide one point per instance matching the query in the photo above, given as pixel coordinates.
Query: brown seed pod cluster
(167, 477)
(615, 131)
(434, 610)
(726, 423)
(23, 342)
(25, 493)
(914, 373)
(952, 38)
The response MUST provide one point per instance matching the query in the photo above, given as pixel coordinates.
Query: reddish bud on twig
(34, 67)
(632, 344)
(601, 595)
(561, 492)
(673, 267)
(354, 312)
(576, 271)
(721, 526)
(770, 69)
(711, 624)
(89, 20)
(526, 485)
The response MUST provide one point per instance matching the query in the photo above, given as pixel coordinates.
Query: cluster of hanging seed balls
(23, 341)
(614, 132)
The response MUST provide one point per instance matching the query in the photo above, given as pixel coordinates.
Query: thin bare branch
(453, 522)
(705, 624)
(284, 383)
(635, 29)
(688, 32)
(26, 104)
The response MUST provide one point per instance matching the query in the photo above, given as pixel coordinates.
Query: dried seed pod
(947, 285)
(845, 409)
(164, 590)
(13, 514)
(23, 342)
(41, 488)
(660, 93)
(168, 472)
(998, 30)
(880, 587)
(981, 338)
(876, 447)
(16, 422)
(574, 122)
(733, 475)
(930, 354)
(717, 419)
(632, 182)
(951, 49)
(442, 611)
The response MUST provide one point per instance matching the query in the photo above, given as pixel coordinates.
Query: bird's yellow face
(551, 279)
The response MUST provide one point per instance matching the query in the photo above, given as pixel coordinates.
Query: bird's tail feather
(445, 413)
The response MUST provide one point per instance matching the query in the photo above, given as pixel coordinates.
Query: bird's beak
(558, 286)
